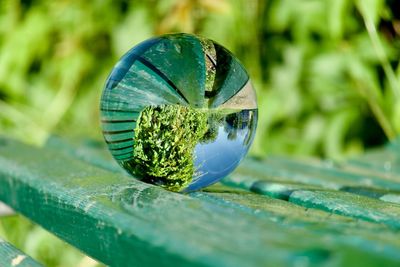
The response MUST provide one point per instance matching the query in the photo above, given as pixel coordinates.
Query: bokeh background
(327, 74)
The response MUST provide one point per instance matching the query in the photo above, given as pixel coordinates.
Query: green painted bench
(272, 212)
(10, 256)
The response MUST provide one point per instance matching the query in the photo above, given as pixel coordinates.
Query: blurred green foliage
(41, 245)
(326, 71)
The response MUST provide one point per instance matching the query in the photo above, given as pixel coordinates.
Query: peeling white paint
(393, 198)
(5, 210)
(17, 260)
(86, 209)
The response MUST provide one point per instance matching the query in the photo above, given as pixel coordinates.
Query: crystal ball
(178, 111)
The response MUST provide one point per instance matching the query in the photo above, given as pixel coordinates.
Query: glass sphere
(178, 111)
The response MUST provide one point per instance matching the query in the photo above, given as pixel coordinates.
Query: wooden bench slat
(123, 222)
(276, 173)
(377, 201)
(12, 257)
(294, 214)
(394, 146)
(90, 151)
(321, 174)
(334, 229)
(384, 162)
(283, 190)
(350, 205)
(280, 210)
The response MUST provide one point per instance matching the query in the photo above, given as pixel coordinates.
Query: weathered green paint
(313, 212)
(86, 150)
(12, 257)
(336, 188)
(352, 205)
(275, 189)
(324, 174)
(395, 146)
(380, 162)
(280, 210)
